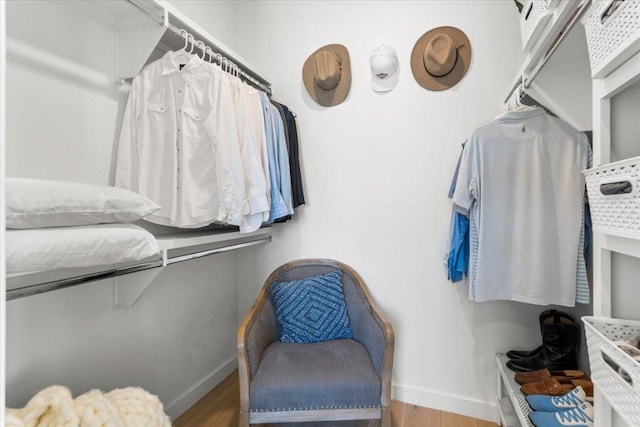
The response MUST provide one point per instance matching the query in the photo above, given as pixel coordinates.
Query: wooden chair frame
(257, 318)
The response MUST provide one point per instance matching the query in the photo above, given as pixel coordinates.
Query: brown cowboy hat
(441, 58)
(326, 74)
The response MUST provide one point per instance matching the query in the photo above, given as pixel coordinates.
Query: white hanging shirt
(178, 144)
(520, 179)
(251, 139)
(261, 140)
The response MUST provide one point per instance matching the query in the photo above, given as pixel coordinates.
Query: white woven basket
(623, 395)
(533, 19)
(617, 214)
(614, 40)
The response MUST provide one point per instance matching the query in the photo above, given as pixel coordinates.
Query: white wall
(217, 17)
(63, 109)
(177, 341)
(377, 169)
(61, 101)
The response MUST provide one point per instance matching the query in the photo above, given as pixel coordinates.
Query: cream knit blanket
(55, 407)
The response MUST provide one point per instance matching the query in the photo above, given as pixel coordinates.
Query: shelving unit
(144, 26)
(132, 279)
(557, 75)
(143, 30)
(624, 78)
(560, 50)
(513, 409)
(615, 138)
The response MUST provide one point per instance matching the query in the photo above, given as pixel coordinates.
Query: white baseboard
(445, 402)
(180, 404)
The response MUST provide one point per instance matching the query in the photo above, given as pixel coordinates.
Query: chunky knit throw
(55, 407)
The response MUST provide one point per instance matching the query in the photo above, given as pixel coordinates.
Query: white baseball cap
(384, 68)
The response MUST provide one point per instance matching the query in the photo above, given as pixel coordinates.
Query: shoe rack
(513, 409)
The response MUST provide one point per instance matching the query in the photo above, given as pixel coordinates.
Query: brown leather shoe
(586, 385)
(568, 375)
(550, 387)
(532, 377)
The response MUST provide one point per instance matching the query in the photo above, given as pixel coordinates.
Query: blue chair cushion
(334, 374)
(311, 309)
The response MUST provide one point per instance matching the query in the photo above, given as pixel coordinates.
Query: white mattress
(80, 246)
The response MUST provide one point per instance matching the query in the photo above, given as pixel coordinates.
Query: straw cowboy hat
(441, 58)
(327, 74)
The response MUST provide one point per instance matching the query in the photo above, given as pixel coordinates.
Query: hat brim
(461, 67)
(328, 98)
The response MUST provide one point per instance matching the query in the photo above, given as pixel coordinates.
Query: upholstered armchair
(341, 379)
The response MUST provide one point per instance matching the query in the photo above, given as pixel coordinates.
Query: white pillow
(68, 247)
(37, 203)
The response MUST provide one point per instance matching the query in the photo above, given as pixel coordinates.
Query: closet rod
(576, 18)
(55, 285)
(250, 75)
(197, 255)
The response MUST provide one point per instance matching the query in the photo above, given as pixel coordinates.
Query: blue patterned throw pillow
(311, 309)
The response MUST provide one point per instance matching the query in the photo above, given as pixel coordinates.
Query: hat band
(448, 72)
(315, 79)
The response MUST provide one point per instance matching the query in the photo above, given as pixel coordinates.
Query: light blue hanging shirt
(278, 205)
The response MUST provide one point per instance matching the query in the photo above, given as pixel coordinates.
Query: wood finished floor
(219, 408)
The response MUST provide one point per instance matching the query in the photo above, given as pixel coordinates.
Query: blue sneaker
(539, 402)
(580, 416)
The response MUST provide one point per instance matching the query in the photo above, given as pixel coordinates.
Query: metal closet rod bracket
(127, 290)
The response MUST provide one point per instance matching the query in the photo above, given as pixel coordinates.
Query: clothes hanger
(209, 51)
(185, 35)
(193, 43)
(519, 105)
(184, 54)
(202, 47)
(514, 103)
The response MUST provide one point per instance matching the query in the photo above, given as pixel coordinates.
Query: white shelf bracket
(127, 289)
(135, 43)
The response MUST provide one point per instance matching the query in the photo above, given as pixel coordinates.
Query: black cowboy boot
(520, 354)
(560, 336)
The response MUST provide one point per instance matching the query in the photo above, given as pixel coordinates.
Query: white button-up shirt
(179, 146)
(251, 143)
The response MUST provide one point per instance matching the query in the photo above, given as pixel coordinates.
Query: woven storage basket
(617, 214)
(614, 40)
(533, 19)
(623, 395)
